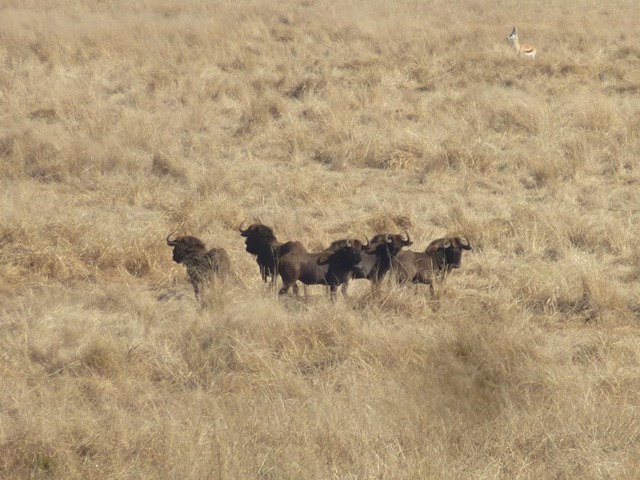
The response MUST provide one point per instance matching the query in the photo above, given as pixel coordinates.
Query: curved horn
(170, 242)
(464, 241)
(348, 242)
(387, 238)
(240, 227)
(364, 247)
(408, 240)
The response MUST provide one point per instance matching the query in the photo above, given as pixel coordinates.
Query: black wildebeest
(438, 259)
(378, 255)
(333, 267)
(202, 265)
(261, 241)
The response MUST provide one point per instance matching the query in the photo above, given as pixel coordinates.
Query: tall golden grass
(124, 121)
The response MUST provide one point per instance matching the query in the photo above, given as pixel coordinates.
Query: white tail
(521, 49)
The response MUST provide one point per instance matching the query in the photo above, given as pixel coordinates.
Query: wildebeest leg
(286, 286)
(343, 288)
(263, 274)
(332, 292)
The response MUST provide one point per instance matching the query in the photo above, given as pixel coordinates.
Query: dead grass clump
(546, 288)
(99, 357)
(600, 300)
(548, 171)
(43, 154)
(28, 458)
(219, 294)
(165, 167)
(515, 115)
(39, 250)
(582, 295)
(258, 113)
(598, 115)
(68, 252)
(47, 114)
(310, 84)
(456, 153)
(389, 222)
(311, 348)
(137, 263)
(389, 301)
(49, 263)
(455, 220)
(403, 158)
(194, 215)
(209, 352)
(476, 380)
(44, 162)
(358, 147)
(541, 229)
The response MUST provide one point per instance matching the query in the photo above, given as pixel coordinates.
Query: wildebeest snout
(448, 250)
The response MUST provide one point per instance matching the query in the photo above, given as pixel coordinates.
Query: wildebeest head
(257, 230)
(379, 253)
(349, 243)
(261, 241)
(349, 251)
(448, 251)
(185, 247)
(257, 235)
(202, 265)
(391, 242)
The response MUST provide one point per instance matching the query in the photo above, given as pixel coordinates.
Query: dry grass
(122, 122)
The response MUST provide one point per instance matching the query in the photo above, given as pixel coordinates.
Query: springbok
(524, 49)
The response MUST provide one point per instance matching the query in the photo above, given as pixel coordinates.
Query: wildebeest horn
(240, 227)
(368, 243)
(387, 238)
(408, 240)
(348, 242)
(464, 241)
(171, 243)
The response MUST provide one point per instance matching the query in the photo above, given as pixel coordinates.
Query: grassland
(124, 121)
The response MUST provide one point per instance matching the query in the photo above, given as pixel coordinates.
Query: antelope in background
(521, 49)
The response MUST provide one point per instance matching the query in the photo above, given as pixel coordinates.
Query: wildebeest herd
(335, 266)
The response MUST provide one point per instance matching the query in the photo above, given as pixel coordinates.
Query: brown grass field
(122, 122)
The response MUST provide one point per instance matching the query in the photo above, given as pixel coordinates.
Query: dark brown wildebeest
(378, 255)
(333, 267)
(261, 241)
(438, 259)
(202, 265)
